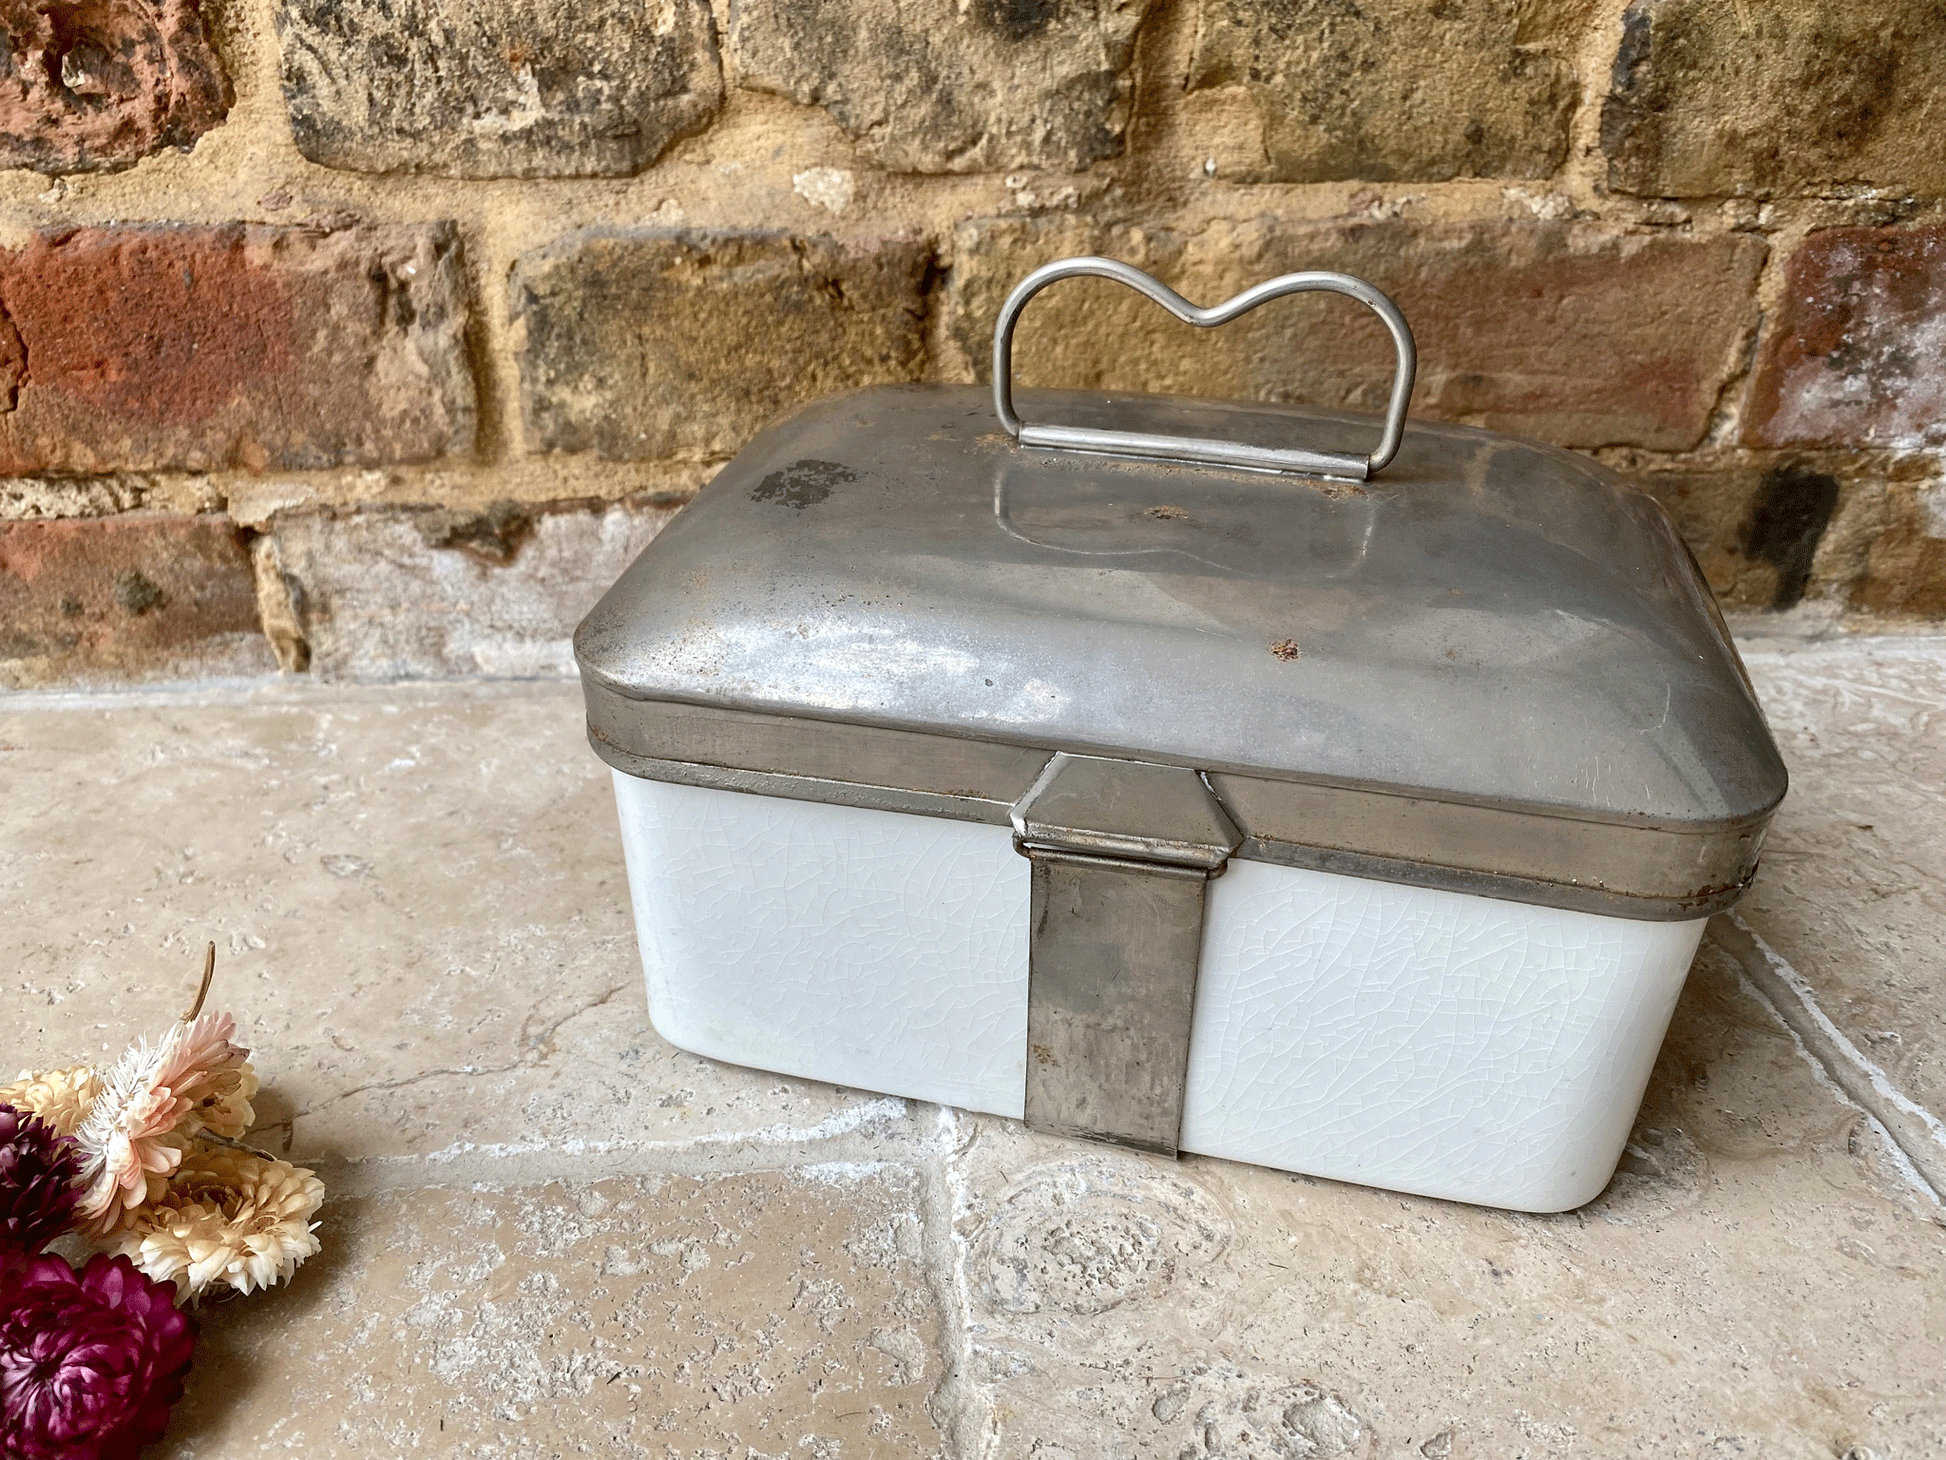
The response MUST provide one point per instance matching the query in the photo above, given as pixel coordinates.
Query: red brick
(134, 597)
(196, 348)
(1578, 333)
(1857, 353)
(97, 85)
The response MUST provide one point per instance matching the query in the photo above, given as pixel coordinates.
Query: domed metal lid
(1489, 664)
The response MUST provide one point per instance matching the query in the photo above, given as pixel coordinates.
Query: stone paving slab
(1852, 892)
(736, 1316)
(419, 904)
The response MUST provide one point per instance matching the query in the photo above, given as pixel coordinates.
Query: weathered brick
(944, 86)
(1394, 89)
(1905, 558)
(132, 597)
(497, 88)
(416, 593)
(192, 348)
(684, 344)
(97, 85)
(1755, 529)
(1708, 98)
(1863, 530)
(1857, 353)
(1581, 334)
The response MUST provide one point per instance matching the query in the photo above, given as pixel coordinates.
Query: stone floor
(550, 1234)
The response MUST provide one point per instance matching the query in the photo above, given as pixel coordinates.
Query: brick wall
(370, 337)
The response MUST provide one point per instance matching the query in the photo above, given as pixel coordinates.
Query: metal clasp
(1122, 854)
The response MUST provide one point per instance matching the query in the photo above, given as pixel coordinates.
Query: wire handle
(1193, 448)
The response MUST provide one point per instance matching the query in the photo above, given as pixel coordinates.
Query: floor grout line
(1915, 1133)
(872, 1137)
(955, 1406)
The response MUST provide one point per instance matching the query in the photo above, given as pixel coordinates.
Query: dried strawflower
(152, 1099)
(59, 1097)
(90, 1362)
(230, 1217)
(212, 1074)
(38, 1174)
(227, 1112)
(128, 1147)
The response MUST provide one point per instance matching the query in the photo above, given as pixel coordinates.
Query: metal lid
(1492, 665)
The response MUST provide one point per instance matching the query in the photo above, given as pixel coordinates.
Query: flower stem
(214, 1139)
(209, 972)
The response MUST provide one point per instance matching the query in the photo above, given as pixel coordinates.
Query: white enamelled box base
(1426, 1041)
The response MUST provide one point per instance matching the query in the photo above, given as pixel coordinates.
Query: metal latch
(1122, 855)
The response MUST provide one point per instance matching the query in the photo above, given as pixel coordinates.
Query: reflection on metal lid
(1490, 621)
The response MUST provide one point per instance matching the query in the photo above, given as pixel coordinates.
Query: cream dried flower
(130, 1141)
(228, 1217)
(59, 1097)
(227, 1113)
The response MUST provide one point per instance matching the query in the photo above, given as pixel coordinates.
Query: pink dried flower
(126, 1141)
(38, 1174)
(90, 1362)
(151, 1101)
(203, 1067)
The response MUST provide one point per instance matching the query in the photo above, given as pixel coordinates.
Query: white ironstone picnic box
(1191, 775)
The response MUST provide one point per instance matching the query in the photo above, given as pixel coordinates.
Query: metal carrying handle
(1192, 448)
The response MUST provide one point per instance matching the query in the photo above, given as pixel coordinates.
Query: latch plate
(1111, 987)
(1122, 855)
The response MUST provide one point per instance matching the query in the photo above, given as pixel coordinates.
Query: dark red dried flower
(89, 1362)
(38, 1172)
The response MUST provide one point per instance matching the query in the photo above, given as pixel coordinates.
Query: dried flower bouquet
(143, 1161)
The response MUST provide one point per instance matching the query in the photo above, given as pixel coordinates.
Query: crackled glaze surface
(878, 951)
(1425, 1041)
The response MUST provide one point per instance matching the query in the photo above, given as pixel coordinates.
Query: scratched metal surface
(1490, 620)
